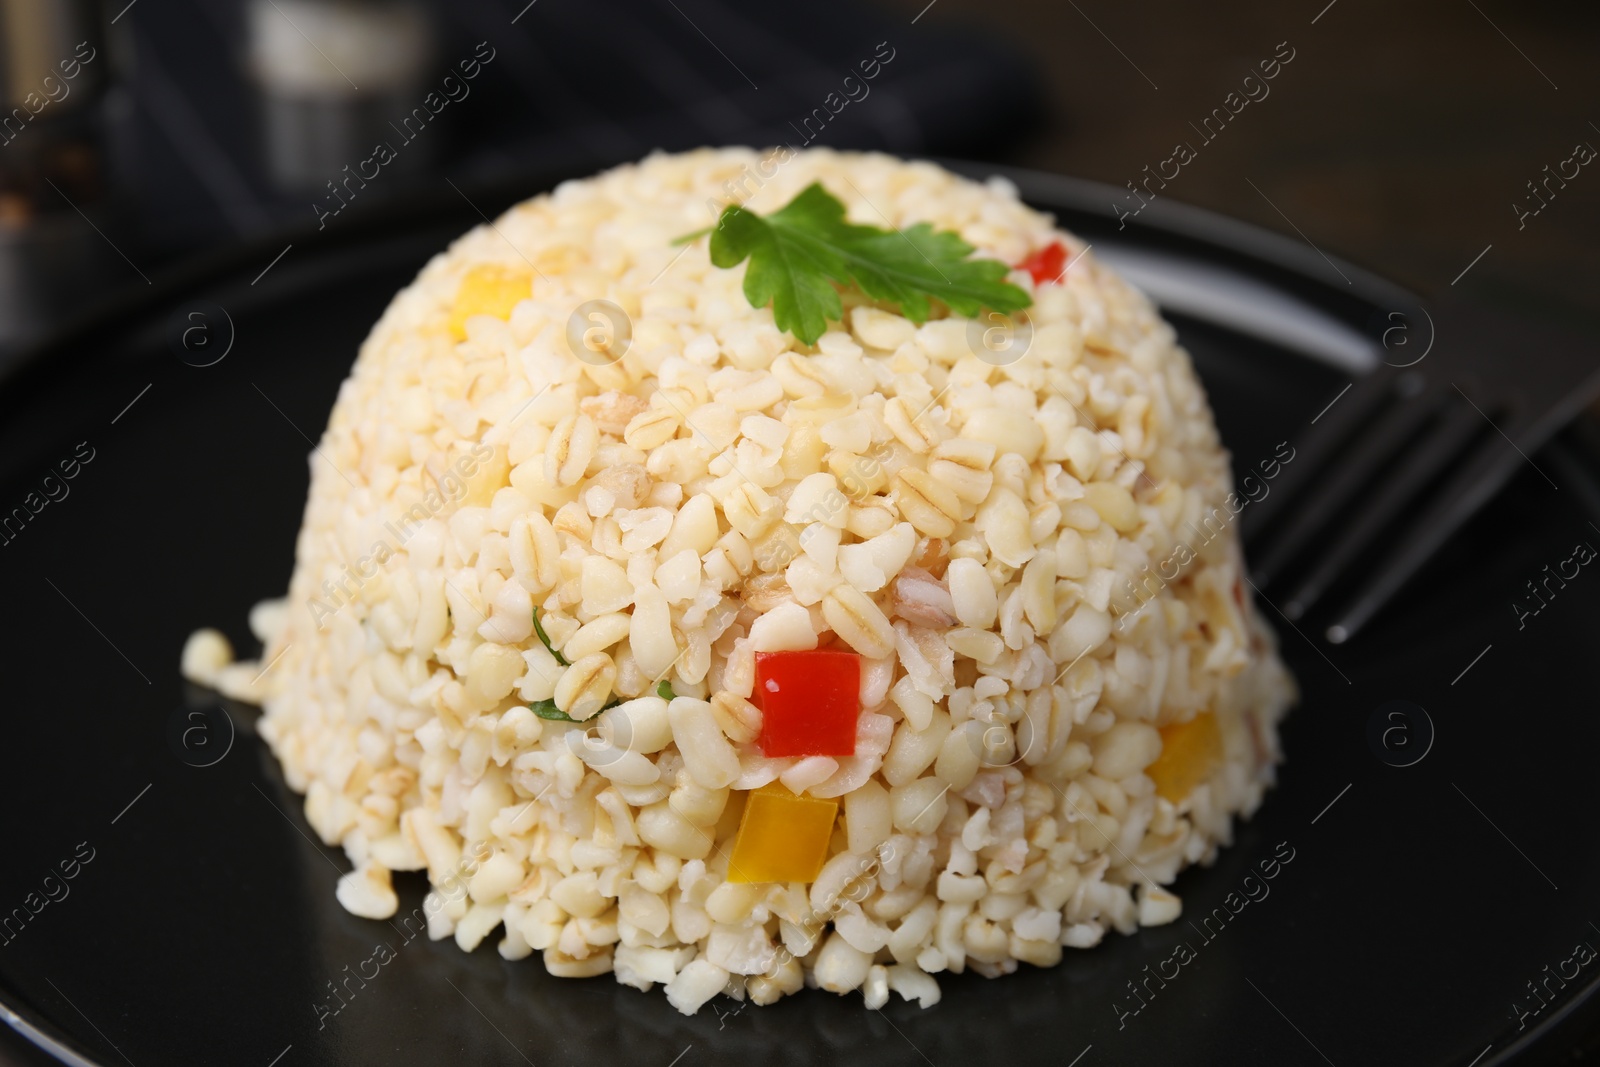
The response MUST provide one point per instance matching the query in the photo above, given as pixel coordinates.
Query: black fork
(1411, 452)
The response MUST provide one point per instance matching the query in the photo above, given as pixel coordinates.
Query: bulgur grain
(978, 534)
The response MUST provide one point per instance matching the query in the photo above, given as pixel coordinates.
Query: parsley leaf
(799, 251)
(544, 639)
(664, 691)
(546, 709)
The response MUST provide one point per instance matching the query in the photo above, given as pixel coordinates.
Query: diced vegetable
(1191, 752)
(809, 702)
(488, 290)
(782, 837)
(1046, 264)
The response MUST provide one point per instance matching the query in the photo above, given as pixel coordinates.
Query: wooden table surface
(1398, 136)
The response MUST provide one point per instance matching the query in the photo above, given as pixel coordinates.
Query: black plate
(1418, 905)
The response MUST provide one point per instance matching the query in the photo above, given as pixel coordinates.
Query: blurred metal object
(331, 74)
(53, 72)
(1411, 454)
(52, 68)
(35, 36)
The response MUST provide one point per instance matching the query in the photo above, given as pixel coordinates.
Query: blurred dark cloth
(580, 84)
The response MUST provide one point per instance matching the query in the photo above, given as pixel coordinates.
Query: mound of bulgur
(1065, 697)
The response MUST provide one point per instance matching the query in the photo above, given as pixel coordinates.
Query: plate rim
(1166, 222)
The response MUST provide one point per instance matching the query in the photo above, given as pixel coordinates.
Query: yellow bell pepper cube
(782, 837)
(1191, 752)
(488, 290)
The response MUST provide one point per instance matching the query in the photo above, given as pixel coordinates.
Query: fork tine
(1322, 442)
(1443, 444)
(1358, 462)
(1475, 482)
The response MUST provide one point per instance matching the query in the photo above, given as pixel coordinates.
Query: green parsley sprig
(544, 639)
(798, 252)
(546, 709)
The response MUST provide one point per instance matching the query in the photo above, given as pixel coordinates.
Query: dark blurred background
(1426, 141)
(145, 134)
(138, 136)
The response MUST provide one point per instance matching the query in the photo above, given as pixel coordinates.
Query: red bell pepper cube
(1046, 264)
(809, 702)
